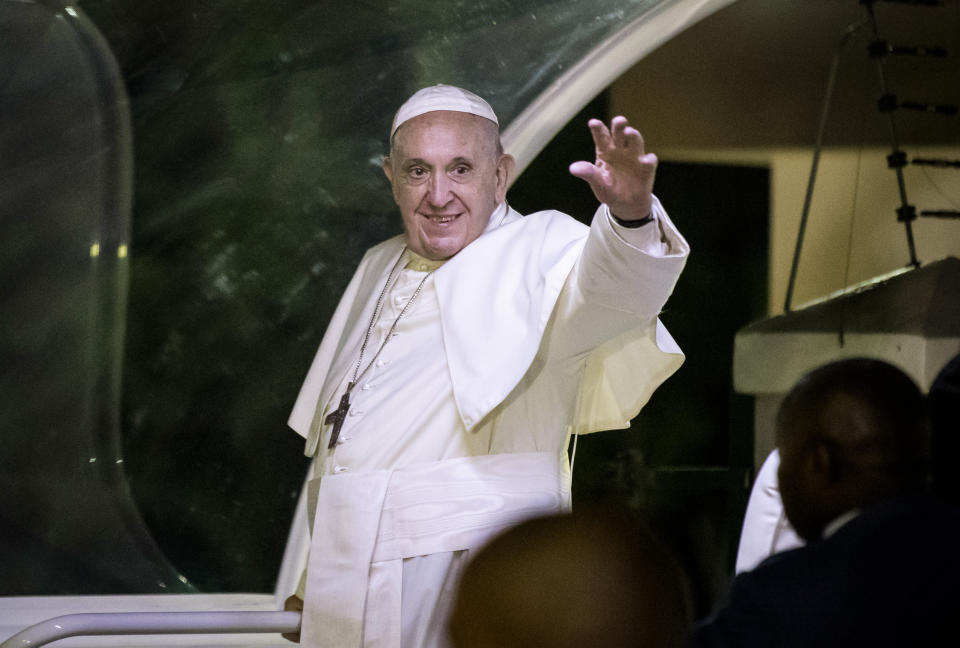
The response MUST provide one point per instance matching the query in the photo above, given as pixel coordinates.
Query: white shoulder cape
(496, 297)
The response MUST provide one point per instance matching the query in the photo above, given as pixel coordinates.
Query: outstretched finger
(626, 136)
(618, 126)
(634, 141)
(601, 136)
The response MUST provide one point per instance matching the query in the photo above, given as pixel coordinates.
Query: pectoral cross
(338, 416)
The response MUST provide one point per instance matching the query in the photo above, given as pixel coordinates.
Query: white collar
(838, 522)
(497, 218)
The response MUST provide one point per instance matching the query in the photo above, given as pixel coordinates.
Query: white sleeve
(653, 239)
(620, 282)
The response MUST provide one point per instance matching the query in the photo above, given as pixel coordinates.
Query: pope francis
(463, 355)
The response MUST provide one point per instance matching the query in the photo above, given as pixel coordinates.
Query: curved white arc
(533, 128)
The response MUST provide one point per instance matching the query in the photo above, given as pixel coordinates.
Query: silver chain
(357, 374)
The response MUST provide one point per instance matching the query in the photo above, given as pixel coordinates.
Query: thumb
(585, 171)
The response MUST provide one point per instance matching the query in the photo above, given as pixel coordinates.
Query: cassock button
(356, 412)
(366, 387)
(382, 363)
(339, 469)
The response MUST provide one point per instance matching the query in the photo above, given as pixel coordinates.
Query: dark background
(171, 469)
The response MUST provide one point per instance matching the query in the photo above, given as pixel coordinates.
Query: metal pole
(907, 211)
(824, 111)
(140, 623)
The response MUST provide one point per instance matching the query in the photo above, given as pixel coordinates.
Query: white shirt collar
(497, 217)
(838, 522)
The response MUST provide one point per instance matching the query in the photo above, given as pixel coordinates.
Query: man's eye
(461, 170)
(418, 172)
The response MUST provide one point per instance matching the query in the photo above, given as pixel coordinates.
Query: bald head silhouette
(851, 434)
(594, 577)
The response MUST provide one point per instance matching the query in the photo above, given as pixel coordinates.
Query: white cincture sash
(383, 515)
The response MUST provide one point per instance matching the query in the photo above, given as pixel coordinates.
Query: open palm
(622, 176)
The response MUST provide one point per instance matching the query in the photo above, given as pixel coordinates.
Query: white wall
(852, 232)
(745, 86)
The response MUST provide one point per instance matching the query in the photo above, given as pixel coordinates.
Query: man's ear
(821, 464)
(505, 166)
(387, 166)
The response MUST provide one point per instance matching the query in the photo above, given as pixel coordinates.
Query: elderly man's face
(447, 178)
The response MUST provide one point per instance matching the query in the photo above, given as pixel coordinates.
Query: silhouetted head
(851, 433)
(592, 578)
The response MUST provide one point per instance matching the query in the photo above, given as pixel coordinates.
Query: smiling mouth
(442, 219)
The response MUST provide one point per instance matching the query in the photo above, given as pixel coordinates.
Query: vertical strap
(382, 626)
(344, 535)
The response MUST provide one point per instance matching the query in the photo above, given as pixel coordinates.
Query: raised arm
(630, 262)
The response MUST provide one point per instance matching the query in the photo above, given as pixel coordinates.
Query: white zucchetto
(442, 97)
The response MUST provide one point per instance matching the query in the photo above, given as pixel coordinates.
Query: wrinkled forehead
(446, 130)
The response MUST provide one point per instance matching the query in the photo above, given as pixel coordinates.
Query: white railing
(141, 623)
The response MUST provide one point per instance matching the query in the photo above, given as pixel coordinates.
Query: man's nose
(438, 190)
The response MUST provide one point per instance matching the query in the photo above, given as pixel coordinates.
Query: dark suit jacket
(889, 577)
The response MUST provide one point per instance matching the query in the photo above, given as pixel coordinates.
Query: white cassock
(539, 329)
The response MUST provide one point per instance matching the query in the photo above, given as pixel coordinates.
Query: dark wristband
(633, 224)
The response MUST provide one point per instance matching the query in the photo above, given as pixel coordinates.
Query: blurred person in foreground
(881, 566)
(462, 357)
(944, 404)
(595, 577)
